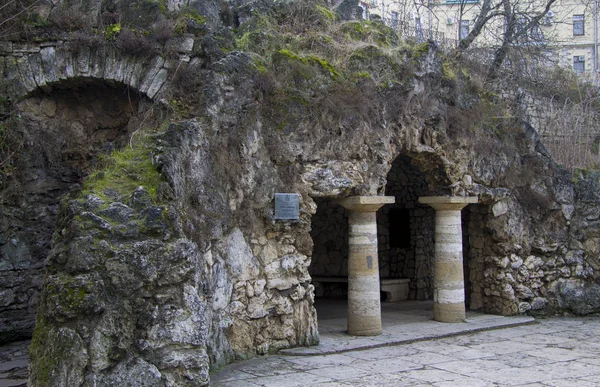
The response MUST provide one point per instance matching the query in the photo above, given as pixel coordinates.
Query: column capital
(365, 203)
(448, 203)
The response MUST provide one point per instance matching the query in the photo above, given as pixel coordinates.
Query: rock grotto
(143, 143)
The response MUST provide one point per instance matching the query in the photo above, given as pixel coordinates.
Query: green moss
(360, 75)
(448, 71)
(329, 15)
(420, 49)
(243, 42)
(43, 364)
(53, 351)
(261, 68)
(125, 170)
(354, 30)
(372, 32)
(112, 31)
(262, 21)
(194, 16)
(325, 65)
(187, 16)
(74, 297)
(263, 42)
(291, 55)
(309, 60)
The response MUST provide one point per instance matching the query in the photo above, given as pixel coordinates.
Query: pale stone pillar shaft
(448, 285)
(364, 308)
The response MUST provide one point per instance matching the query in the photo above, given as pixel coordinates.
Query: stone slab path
(13, 364)
(555, 352)
(403, 322)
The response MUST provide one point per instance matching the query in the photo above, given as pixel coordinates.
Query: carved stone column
(364, 308)
(448, 285)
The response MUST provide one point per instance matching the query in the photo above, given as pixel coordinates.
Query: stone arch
(70, 107)
(411, 175)
(28, 67)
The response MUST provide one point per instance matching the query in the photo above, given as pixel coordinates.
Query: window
(364, 7)
(399, 226)
(418, 28)
(578, 25)
(520, 31)
(463, 29)
(579, 64)
(394, 19)
(537, 34)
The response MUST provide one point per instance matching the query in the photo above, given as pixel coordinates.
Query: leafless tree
(12, 15)
(519, 22)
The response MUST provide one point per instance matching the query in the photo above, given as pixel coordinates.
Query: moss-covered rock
(58, 356)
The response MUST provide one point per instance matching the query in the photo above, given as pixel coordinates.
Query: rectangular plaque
(287, 206)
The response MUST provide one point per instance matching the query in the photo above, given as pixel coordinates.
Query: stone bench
(395, 289)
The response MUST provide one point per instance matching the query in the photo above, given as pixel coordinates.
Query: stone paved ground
(13, 364)
(556, 352)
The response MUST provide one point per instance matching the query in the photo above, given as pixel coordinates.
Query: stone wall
(329, 232)
(476, 246)
(566, 124)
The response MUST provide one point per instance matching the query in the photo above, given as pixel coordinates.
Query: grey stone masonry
(26, 67)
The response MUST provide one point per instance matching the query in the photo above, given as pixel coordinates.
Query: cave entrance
(421, 236)
(329, 264)
(57, 137)
(405, 233)
(406, 244)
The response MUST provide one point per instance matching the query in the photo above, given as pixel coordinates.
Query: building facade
(567, 34)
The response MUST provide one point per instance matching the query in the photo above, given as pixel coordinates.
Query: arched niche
(406, 227)
(57, 137)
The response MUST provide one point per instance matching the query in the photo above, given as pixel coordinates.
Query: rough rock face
(169, 261)
(123, 289)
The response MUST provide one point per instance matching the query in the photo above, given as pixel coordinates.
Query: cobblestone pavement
(556, 352)
(13, 364)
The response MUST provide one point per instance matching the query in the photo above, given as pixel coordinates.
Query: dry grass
(312, 66)
(573, 132)
(135, 44)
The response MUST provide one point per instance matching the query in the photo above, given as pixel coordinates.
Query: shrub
(82, 40)
(135, 44)
(69, 19)
(162, 31)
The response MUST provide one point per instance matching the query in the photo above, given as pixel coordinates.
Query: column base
(364, 325)
(449, 313)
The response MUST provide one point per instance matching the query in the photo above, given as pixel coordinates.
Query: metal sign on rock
(287, 206)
